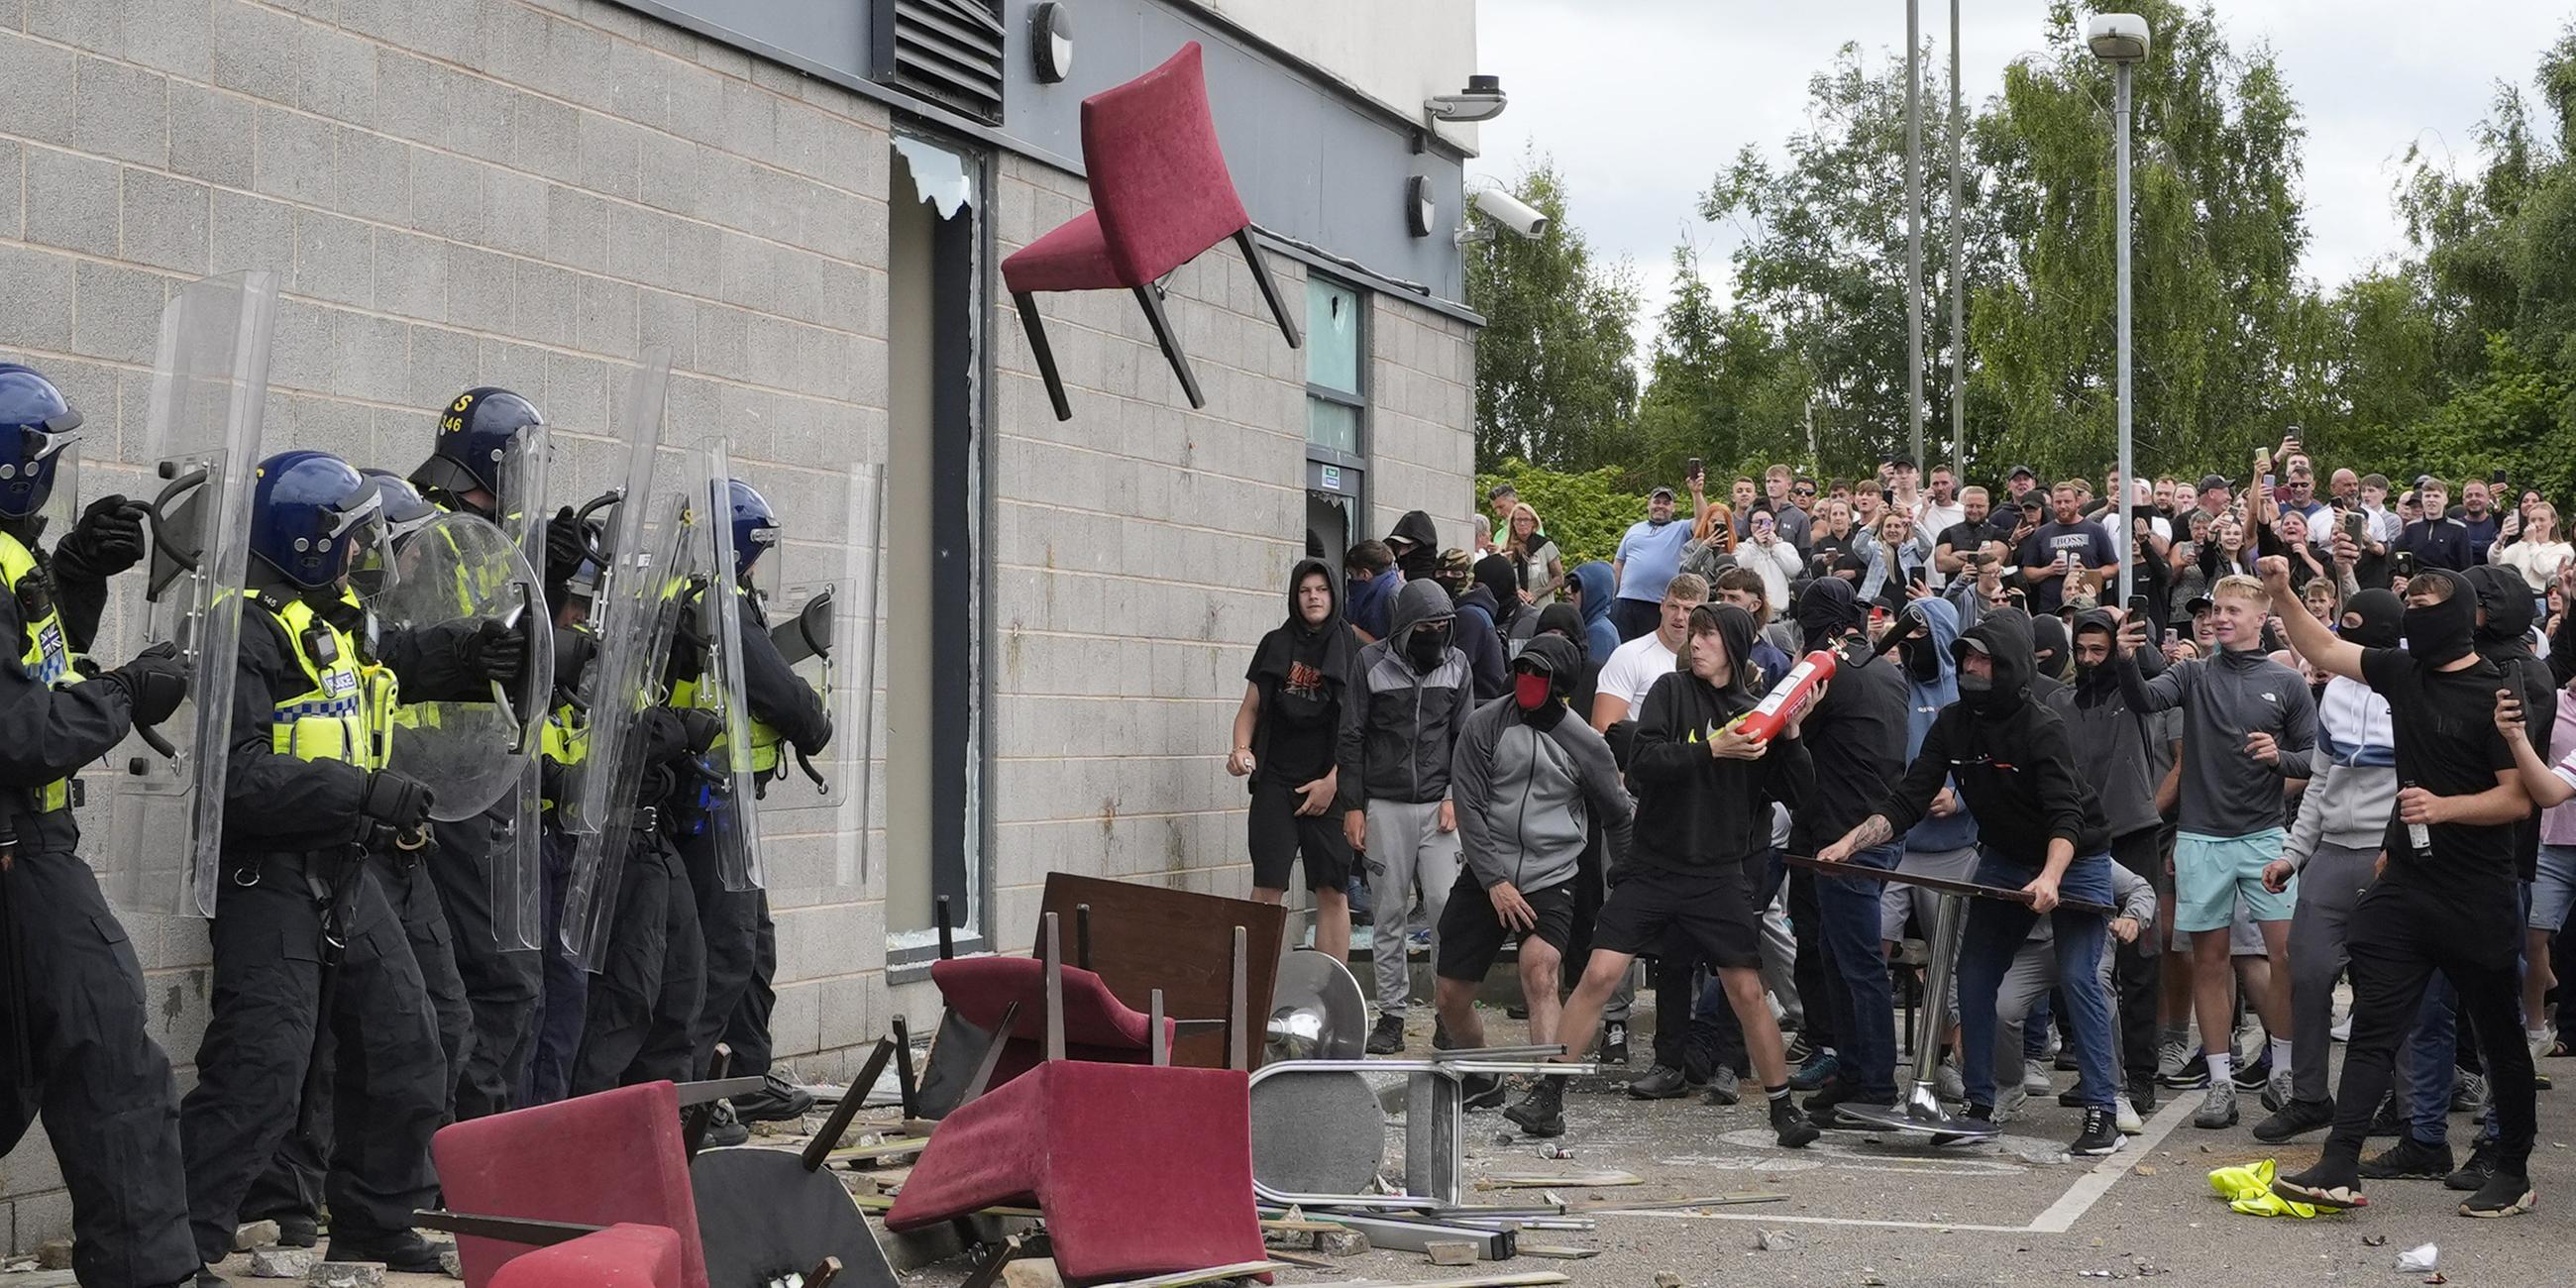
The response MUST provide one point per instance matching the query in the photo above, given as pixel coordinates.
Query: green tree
(1724, 387)
(1556, 372)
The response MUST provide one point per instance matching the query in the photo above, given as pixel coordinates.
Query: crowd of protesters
(2326, 740)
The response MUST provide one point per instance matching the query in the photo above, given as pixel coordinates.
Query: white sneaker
(2542, 1038)
(2009, 1102)
(2170, 1059)
(2035, 1077)
(1947, 1082)
(2125, 1116)
(2342, 1030)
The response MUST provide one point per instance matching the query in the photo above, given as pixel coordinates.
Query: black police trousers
(564, 995)
(501, 985)
(93, 1072)
(270, 983)
(646, 995)
(293, 1183)
(729, 921)
(746, 1031)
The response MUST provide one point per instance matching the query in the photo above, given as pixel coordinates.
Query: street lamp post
(1958, 283)
(1914, 223)
(2120, 39)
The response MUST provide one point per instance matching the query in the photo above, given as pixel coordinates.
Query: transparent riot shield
(732, 815)
(825, 629)
(623, 682)
(521, 510)
(209, 393)
(633, 619)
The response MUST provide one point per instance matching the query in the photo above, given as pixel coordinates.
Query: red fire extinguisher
(1789, 697)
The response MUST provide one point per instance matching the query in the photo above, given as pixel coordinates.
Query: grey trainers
(1724, 1087)
(1388, 1037)
(1663, 1082)
(2218, 1107)
(1947, 1082)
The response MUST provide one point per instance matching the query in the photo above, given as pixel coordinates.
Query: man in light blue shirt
(1648, 557)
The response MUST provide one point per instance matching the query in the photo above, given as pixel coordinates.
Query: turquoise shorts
(2210, 873)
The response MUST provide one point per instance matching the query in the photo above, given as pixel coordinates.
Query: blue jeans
(1994, 934)
(1849, 910)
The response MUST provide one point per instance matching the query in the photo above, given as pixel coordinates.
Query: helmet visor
(366, 547)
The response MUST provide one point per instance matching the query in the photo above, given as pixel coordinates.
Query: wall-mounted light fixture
(1482, 100)
(1419, 207)
(1050, 42)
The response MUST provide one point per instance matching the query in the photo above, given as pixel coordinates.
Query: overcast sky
(1641, 101)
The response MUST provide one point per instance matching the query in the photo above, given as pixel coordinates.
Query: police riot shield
(632, 619)
(209, 393)
(520, 511)
(730, 812)
(825, 629)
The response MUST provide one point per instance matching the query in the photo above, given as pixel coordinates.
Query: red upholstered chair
(1097, 1026)
(607, 1159)
(1160, 195)
(621, 1256)
(1139, 1169)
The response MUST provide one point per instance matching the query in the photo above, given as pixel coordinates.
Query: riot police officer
(306, 946)
(77, 1051)
(741, 944)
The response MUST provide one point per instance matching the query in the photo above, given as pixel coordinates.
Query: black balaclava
(2375, 619)
(1542, 677)
(1827, 609)
(1496, 575)
(2004, 637)
(1565, 620)
(2048, 646)
(1421, 558)
(2094, 678)
(2505, 598)
(1427, 643)
(2445, 632)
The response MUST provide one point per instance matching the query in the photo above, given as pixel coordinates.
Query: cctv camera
(1511, 212)
(2117, 37)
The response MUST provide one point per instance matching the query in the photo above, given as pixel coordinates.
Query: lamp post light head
(2117, 37)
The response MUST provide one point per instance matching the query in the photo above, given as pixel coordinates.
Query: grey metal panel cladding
(1311, 165)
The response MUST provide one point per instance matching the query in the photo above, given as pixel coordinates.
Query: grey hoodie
(1525, 794)
(2225, 792)
(1400, 724)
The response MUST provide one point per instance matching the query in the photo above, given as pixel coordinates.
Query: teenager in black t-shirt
(1283, 742)
(2448, 899)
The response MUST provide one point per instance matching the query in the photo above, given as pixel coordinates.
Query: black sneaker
(2475, 1173)
(2142, 1093)
(1975, 1113)
(1835, 1091)
(2193, 1075)
(1795, 1131)
(1388, 1037)
(1483, 1090)
(404, 1251)
(2101, 1135)
(1663, 1082)
(2504, 1194)
(207, 1278)
(1614, 1042)
(2324, 1185)
(1541, 1112)
(1725, 1087)
(2297, 1118)
(2072, 1097)
(2386, 1122)
(297, 1230)
(777, 1101)
(2251, 1077)
(2409, 1160)
(1440, 1036)
(1818, 1069)
(1798, 1050)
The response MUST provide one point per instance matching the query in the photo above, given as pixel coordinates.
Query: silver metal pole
(1914, 222)
(1958, 275)
(2120, 179)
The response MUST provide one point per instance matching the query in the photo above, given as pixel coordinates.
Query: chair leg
(1036, 327)
(1153, 302)
(1269, 288)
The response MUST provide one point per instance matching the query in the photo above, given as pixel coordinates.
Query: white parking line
(2089, 1188)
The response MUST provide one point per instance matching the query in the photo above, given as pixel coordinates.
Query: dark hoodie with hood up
(1694, 810)
(2504, 638)
(1600, 590)
(1857, 731)
(2115, 746)
(1931, 680)
(1421, 561)
(1400, 724)
(2011, 757)
(1303, 673)
(1480, 633)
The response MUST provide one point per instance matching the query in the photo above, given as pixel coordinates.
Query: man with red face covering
(1528, 782)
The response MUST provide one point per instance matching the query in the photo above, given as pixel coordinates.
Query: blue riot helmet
(405, 512)
(476, 432)
(755, 526)
(315, 519)
(36, 426)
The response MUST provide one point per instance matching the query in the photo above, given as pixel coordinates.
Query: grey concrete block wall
(530, 193)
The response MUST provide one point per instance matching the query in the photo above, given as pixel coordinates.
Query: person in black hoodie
(1415, 543)
(1480, 625)
(1703, 794)
(1284, 735)
(2041, 830)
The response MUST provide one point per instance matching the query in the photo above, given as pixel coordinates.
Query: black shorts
(1472, 935)
(1710, 909)
(1279, 836)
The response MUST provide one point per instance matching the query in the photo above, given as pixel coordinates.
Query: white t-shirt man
(1634, 667)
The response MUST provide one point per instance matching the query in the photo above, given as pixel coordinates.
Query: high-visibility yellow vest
(46, 657)
(328, 719)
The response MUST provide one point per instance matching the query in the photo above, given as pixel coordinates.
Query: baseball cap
(1661, 491)
(2019, 470)
(2208, 481)
(2196, 603)
(2032, 502)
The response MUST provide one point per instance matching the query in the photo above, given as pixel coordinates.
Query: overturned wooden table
(1920, 1110)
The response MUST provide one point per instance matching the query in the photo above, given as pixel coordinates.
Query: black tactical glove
(107, 540)
(564, 548)
(698, 731)
(395, 801)
(822, 735)
(155, 682)
(574, 651)
(659, 733)
(495, 652)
